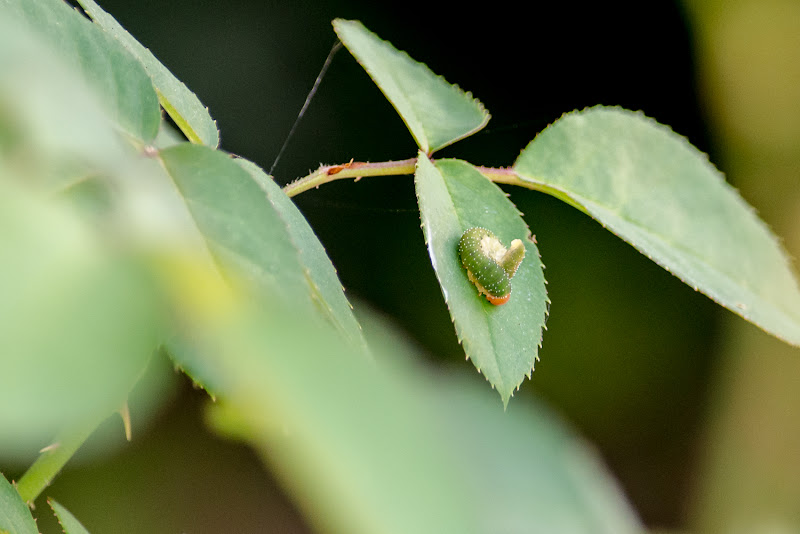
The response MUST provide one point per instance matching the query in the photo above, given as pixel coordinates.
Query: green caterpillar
(490, 266)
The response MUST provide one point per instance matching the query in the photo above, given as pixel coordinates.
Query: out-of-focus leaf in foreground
(385, 446)
(180, 103)
(78, 318)
(351, 445)
(526, 470)
(119, 81)
(77, 324)
(50, 120)
(660, 194)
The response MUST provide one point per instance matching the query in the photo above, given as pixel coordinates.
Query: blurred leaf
(15, 517)
(391, 448)
(245, 232)
(328, 289)
(526, 470)
(66, 519)
(502, 341)
(118, 79)
(77, 325)
(436, 113)
(168, 136)
(198, 294)
(241, 228)
(660, 194)
(180, 103)
(352, 444)
(51, 124)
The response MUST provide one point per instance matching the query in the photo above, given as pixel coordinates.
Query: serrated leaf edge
(586, 206)
(465, 343)
(115, 31)
(315, 294)
(52, 502)
(421, 143)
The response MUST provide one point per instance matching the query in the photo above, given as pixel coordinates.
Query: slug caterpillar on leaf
(489, 264)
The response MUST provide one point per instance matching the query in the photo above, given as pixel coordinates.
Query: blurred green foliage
(629, 351)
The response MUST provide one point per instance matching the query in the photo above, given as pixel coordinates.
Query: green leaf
(15, 517)
(502, 341)
(180, 103)
(78, 324)
(242, 229)
(349, 440)
(322, 275)
(117, 77)
(51, 121)
(657, 192)
(388, 447)
(545, 480)
(78, 319)
(436, 113)
(68, 523)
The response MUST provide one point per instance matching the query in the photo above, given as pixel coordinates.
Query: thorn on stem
(51, 447)
(125, 413)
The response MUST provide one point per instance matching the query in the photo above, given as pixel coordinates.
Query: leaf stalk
(50, 462)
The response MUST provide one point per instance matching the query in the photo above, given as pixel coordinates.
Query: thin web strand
(311, 94)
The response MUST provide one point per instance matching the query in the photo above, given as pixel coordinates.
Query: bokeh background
(695, 412)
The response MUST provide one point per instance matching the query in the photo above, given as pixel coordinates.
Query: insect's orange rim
(497, 301)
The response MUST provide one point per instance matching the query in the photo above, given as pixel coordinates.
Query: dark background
(628, 349)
